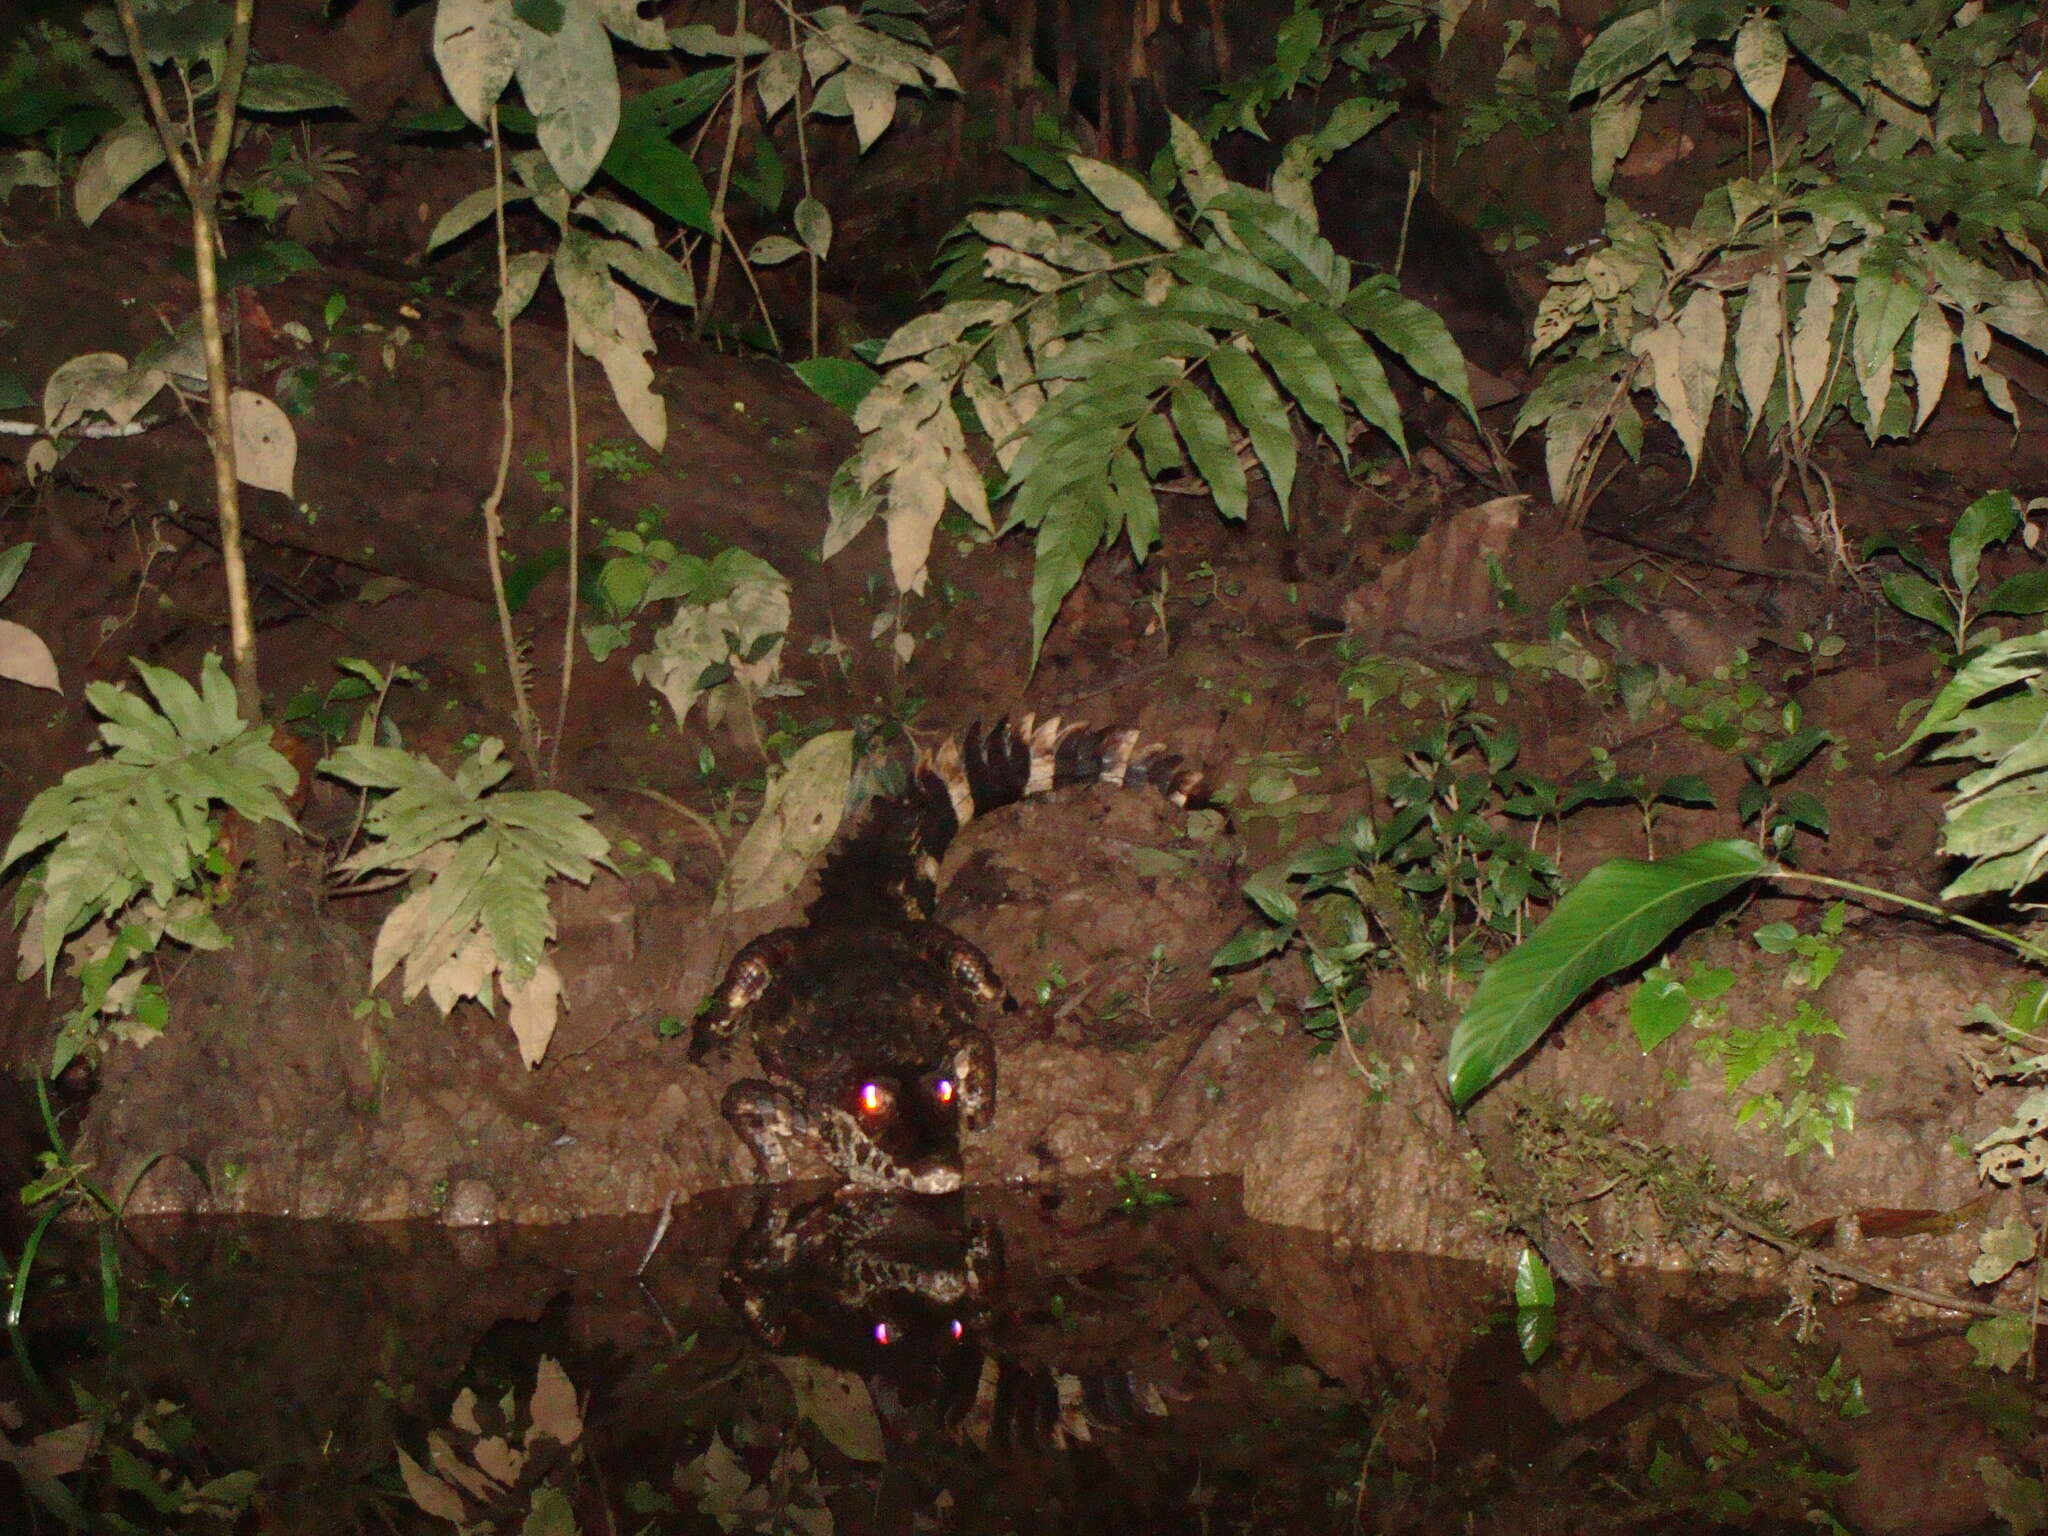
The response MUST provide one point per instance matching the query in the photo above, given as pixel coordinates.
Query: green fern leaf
(1304, 375)
(1413, 332)
(1234, 275)
(1070, 533)
(1287, 242)
(512, 902)
(1263, 415)
(1137, 508)
(1207, 439)
(1355, 367)
(179, 702)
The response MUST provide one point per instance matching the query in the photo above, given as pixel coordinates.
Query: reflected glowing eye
(943, 1090)
(957, 1328)
(871, 1101)
(884, 1335)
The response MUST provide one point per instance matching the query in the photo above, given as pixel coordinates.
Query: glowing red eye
(884, 1335)
(943, 1088)
(957, 1328)
(871, 1101)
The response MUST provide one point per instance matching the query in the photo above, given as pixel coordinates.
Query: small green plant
(1808, 1106)
(1138, 1193)
(477, 921)
(1780, 814)
(331, 716)
(1430, 891)
(125, 844)
(1949, 599)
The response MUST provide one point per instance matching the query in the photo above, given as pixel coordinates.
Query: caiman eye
(884, 1334)
(943, 1090)
(872, 1099)
(958, 1329)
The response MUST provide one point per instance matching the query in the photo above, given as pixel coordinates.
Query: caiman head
(900, 1129)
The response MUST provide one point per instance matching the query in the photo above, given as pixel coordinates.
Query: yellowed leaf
(403, 927)
(80, 384)
(428, 1491)
(1812, 343)
(1928, 357)
(1759, 340)
(466, 973)
(499, 1460)
(917, 498)
(456, 1472)
(266, 447)
(553, 1410)
(25, 659)
(838, 1402)
(873, 103)
(532, 1008)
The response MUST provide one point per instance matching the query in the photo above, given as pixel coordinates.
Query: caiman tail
(889, 863)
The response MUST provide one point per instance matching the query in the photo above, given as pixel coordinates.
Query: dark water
(1063, 1361)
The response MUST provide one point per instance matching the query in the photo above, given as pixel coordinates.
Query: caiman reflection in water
(907, 1292)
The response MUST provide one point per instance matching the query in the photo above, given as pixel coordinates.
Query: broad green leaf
(644, 160)
(840, 380)
(1235, 275)
(1208, 443)
(1884, 305)
(1533, 1284)
(2001, 1342)
(512, 909)
(11, 562)
(2024, 593)
(1990, 519)
(1288, 242)
(1992, 670)
(1913, 593)
(654, 270)
(1156, 444)
(1356, 368)
(1658, 1008)
(1628, 47)
(572, 84)
(1620, 912)
(289, 88)
(1137, 508)
(1303, 374)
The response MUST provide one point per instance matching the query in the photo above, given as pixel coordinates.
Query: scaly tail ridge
(893, 856)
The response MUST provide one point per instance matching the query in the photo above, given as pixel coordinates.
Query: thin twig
(494, 526)
(575, 553)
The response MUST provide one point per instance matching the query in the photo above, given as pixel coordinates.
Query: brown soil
(295, 1097)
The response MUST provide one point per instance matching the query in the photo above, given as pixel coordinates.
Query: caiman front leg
(972, 1058)
(749, 976)
(770, 1121)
